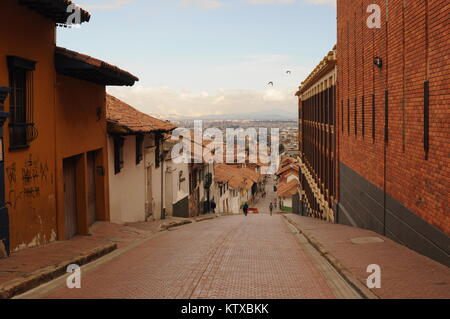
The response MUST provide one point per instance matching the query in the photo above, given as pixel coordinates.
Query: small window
(181, 179)
(21, 124)
(363, 116)
(426, 118)
(118, 154)
(373, 117)
(139, 148)
(348, 117)
(158, 150)
(356, 116)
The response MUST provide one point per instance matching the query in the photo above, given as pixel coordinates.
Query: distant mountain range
(272, 115)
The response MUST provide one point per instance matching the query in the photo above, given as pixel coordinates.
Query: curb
(200, 219)
(41, 276)
(173, 224)
(344, 272)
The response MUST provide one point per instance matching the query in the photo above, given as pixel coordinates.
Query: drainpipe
(161, 156)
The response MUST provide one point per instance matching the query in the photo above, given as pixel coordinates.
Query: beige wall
(175, 191)
(126, 189)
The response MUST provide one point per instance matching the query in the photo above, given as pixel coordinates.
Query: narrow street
(258, 256)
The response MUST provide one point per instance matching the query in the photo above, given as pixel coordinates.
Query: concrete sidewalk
(29, 268)
(404, 273)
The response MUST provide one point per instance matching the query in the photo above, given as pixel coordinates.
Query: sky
(207, 57)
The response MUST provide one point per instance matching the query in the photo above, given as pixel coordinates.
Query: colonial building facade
(136, 163)
(317, 140)
(55, 150)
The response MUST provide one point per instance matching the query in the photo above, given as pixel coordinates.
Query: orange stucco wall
(65, 115)
(81, 128)
(30, 180)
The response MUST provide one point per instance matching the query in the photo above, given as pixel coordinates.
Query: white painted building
(135, 152)
(177, 188)
(234, 187)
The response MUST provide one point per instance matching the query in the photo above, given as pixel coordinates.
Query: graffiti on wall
(25, 181)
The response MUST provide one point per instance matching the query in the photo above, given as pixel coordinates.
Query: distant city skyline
(208, 58)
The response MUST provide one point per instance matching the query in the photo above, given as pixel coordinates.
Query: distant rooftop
(125, 117)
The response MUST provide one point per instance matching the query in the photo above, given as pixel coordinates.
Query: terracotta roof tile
(288, 173)
(288, 189)
(288, 160)
(293, 167)
(85, 67)
(236, 177)
(121, 114)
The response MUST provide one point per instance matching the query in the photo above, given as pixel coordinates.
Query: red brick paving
(26, 261)
(230, 257)
(404, 273)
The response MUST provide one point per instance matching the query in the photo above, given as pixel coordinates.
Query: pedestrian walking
(245, 209)
(271, 208)
(213, 206)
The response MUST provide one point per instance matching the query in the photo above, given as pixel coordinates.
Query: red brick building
(393, 121)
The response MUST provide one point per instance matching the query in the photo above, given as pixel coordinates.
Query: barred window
(118, 154)
(139, 148)
(21, 123)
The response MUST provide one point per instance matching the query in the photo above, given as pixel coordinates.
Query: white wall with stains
(127, 188)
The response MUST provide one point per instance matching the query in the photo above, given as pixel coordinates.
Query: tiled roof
(236, 177)
(223, 173)
(288, 189)
(55, 10)
(287, 160)
(125, 116)
(289, 167)
(288, 173)
(90, 69)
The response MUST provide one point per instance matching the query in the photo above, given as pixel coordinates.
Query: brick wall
(414, 43)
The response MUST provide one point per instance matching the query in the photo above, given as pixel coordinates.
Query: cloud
(318, 2)
(205, 4)
(106, 4)
(328, 2)
(201, 91)
(168, 103)
(268, 1)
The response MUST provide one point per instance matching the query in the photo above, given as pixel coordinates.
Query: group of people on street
(272, 205)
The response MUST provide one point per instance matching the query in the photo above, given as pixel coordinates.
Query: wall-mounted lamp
(378, 62)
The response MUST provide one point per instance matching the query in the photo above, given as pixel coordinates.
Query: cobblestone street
(257, 256)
